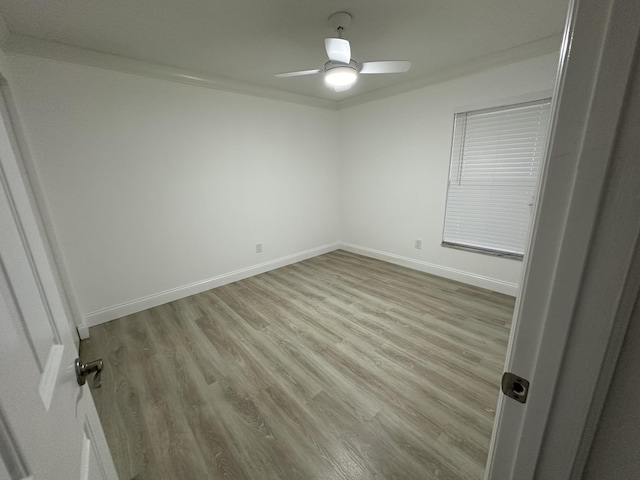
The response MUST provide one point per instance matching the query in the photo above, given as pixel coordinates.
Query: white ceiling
(248, 41)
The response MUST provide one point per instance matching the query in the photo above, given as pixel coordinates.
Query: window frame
(505, 103)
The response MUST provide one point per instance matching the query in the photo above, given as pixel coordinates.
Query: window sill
(484, 251)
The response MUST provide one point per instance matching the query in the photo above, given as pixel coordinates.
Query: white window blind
(496, 157)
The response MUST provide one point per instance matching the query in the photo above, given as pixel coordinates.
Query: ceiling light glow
(341, 77)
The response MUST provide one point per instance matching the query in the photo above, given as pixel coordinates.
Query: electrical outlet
(258, 248)
(418, 244)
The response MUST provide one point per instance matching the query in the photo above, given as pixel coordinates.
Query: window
(496, 156)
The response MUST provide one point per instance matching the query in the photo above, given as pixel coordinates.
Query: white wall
(155, 188)
(395, 169)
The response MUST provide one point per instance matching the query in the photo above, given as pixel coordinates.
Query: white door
(577, 290)
(49, 428)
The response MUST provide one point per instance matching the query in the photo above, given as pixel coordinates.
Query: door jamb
(569, 362)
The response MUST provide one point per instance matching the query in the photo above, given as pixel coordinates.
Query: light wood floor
(338, 367)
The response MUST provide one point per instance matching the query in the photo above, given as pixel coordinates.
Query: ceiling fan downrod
(339, 21)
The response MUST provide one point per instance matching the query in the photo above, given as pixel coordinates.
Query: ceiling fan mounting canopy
(341, 71)
(339, 21)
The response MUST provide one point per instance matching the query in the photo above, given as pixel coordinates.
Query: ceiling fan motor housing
(331, 64)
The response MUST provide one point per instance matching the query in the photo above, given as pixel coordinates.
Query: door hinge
(515, 387)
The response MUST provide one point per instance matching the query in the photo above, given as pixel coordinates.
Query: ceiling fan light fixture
(341, 77)
(341, 72)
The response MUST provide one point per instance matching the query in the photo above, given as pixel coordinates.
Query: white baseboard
(111, 313)
(481, 281)
(83, 331)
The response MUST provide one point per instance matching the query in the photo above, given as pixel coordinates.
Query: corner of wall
(137, 305)
(470, 278)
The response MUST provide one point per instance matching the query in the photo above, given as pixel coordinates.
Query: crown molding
(520, 53)
(26, 45)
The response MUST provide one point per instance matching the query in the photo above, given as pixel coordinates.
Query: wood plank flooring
(338, 367)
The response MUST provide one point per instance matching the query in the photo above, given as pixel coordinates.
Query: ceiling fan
(341, 71)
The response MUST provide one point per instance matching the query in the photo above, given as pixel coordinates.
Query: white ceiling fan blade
(298, 73)
(338, 49)
(389, 66)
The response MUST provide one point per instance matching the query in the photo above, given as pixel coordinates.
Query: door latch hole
(515, 387)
